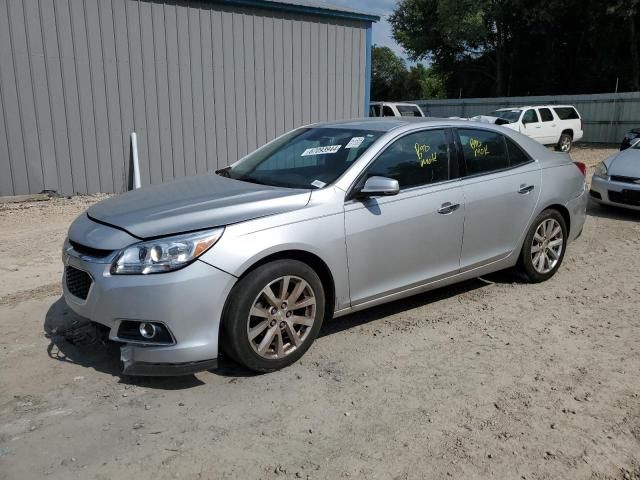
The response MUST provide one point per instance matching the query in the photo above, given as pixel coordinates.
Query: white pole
(136, 165)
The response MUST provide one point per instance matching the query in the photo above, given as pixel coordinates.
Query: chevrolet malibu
(323, 221)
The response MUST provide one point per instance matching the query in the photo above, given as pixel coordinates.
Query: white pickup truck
(559, 125)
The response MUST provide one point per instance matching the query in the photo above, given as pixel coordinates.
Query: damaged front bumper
(187, 302)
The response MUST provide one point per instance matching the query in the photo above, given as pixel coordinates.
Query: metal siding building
(201, 83)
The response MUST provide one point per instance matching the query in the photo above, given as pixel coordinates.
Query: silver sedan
(323, 221)
(616, 181)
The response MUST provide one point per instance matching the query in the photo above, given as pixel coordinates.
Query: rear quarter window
(566, 113)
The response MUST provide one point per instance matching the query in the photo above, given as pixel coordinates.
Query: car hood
(625, 163)
(194, 203)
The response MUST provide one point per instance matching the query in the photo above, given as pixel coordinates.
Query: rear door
(399, 242)
(550, 132)
(501, 186)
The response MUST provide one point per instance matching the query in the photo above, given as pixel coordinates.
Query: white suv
(558, 125)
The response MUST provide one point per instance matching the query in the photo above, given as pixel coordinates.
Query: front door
(531, 125)
(397, 242)
(501, 188)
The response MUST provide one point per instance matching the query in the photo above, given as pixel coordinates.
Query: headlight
(601, 170)
(164, 254)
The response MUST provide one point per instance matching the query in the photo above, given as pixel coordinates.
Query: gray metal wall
(607, 117)
(202, 85)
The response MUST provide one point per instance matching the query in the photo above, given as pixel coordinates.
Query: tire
(281, 333)
(530, 264)
(565, 143)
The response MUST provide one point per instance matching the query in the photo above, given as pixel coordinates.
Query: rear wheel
(273, 315)
(565, 143)
(544, 247)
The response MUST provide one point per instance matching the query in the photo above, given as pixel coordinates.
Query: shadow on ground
(75, 340)
(614, 213)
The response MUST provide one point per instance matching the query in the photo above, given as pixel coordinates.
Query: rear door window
(374, 111)
(387, 111)
(546, 115)
(484, 151)
(566, 113)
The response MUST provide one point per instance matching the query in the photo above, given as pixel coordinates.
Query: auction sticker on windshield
(321, 150)
(355, 142)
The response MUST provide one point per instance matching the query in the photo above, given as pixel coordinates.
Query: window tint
(546, 115)
(484, 151)
(408, 111)
(530, 116)
(387, 112)
(516, 154)
(416, 159)
(566, 113)
(374, 111)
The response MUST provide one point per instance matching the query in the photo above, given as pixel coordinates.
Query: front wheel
(273, 315)
(544, 247)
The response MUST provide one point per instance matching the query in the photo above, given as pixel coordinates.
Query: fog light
(147, 330)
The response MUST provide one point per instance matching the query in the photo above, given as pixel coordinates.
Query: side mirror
(379, 187)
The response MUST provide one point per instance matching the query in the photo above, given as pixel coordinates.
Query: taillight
(581, 124)
(582, 167)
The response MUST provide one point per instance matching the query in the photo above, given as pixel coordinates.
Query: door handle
(448, 207)
(524, 189)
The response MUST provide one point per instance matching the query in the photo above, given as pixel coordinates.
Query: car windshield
(508, 115)
(307, 158)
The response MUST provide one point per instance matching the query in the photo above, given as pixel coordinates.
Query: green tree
(391, 80)
(449, 31)
(387, 74)
(422, 83)
(513, 47)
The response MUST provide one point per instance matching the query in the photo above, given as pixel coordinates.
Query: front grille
(89, 251)
(626, 197)
(78, 282)
(619, 178)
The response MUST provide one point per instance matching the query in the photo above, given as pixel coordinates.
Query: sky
(381, 30)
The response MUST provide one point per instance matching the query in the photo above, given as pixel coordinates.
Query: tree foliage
(392, 80)
(518, 47)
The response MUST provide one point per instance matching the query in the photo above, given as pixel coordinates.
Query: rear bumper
(606, 192)
(188, 302)
(578, 213)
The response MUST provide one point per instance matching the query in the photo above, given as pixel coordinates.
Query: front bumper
(188, 302)
(607, 192)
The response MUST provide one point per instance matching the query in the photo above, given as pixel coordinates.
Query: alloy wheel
(547, 245)
(565, 144)
(281, 317)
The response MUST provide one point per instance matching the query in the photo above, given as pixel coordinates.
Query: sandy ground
(489, 379)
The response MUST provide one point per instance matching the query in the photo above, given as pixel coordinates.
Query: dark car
(629, 137)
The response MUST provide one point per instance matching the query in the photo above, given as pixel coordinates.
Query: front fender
(243, 245)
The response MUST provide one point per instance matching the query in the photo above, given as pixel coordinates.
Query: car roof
(394, 103)
(386, 124)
